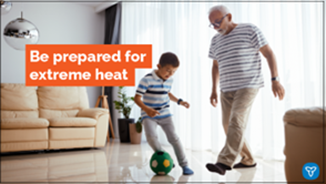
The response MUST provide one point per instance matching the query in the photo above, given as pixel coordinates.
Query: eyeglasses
(217, 24)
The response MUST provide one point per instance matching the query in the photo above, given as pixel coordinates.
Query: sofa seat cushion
(22, 123)
(72, 122)
(72, 133)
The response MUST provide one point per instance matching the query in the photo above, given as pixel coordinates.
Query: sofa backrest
(18, 101)
(61, 101)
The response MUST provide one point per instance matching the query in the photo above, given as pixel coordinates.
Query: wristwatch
(276, 78)
(180, 100)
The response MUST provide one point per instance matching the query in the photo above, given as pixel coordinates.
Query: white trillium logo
(311, 170)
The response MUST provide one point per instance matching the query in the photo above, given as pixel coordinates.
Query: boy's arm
(149, 111)
(175, 99)
(172, 97)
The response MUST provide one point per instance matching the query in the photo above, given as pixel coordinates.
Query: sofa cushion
(18, 97)
(47, 113)
(21, 123)
(72, 122)
(307, 117)
(73, 143)
(19, 114)
(72, 133)
(62, 98)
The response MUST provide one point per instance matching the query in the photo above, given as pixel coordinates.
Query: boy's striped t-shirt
(238, 57)
(154, 91)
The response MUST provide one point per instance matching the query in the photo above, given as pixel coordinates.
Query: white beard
(222, 31)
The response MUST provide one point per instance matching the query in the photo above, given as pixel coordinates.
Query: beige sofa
(46, 118)
(304, 142)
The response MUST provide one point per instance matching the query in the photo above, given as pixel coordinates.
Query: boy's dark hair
(169, 58)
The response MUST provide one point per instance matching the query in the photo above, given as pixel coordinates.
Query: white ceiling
(98, 5)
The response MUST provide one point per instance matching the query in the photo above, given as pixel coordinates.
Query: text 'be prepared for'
(79, 58)
(85, 65)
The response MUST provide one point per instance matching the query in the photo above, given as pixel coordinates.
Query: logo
(310, 171)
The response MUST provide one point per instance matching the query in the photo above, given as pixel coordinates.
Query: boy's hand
(151, 112)
(186, 104)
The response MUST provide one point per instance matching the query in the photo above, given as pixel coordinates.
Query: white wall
(58, 23)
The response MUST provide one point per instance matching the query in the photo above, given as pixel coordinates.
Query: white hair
(221, 8)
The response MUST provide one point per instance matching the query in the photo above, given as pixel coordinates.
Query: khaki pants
(236, 106)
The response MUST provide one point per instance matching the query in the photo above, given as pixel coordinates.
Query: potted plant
(135, 132)
(124, 107)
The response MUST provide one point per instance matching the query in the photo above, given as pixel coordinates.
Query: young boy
(155, 89)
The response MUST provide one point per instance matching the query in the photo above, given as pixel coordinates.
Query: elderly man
(237, 66)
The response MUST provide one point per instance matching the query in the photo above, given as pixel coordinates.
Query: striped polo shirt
(238, 57)
(154, 91)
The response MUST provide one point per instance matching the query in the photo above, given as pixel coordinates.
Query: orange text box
(85, 65)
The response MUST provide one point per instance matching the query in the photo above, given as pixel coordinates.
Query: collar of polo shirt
(156, 77)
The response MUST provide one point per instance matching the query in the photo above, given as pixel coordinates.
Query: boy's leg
(240, 111)
(226, 104)
(168, 128)
(151, 134)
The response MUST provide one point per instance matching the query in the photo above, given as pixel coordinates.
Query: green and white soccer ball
(161, 163)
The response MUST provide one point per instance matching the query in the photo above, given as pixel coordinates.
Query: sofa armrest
(101, 129)
(92, 112)
(305, 117)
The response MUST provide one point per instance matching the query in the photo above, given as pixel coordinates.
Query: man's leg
(246, 155)
(168, 128)
(151, 134)
(226, 104)
(240, 111)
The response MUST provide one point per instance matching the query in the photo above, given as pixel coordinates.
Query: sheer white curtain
(294, 32)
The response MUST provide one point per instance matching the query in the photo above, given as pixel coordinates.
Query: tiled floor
(123, 162)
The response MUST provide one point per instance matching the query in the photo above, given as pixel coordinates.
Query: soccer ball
(161, 163)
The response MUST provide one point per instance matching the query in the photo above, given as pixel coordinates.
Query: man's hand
(151, 112)
(278, 90)
(214, 99)
(186, 104)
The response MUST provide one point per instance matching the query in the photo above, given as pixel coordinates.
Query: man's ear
(229, 17)
(158, 66)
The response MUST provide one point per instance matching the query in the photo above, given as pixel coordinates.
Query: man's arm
(149, 111)
(277, 88)
(216, 79)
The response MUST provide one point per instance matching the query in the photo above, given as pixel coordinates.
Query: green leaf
(123, 105)
(139, 127)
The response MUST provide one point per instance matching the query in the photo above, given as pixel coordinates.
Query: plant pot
(135, 137)
(124, 129)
